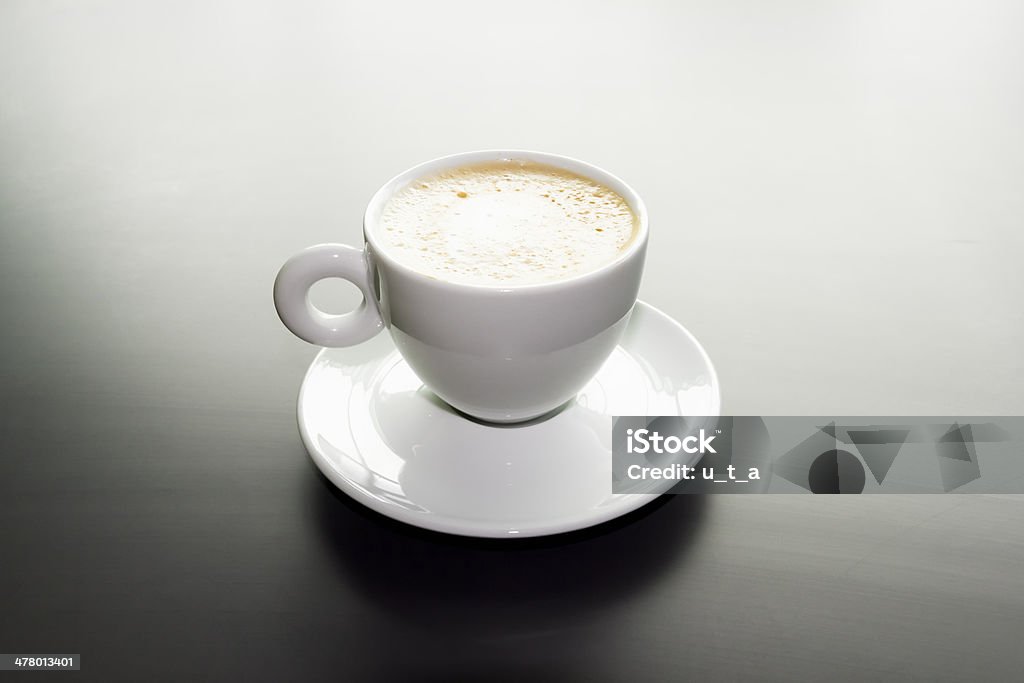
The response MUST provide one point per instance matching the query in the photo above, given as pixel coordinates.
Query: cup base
(517, 422)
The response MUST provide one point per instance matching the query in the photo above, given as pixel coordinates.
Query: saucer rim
(475, 529)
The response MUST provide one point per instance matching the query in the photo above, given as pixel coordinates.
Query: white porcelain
(382, 437)
(499, 353)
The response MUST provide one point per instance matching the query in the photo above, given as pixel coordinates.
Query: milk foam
(508, 222)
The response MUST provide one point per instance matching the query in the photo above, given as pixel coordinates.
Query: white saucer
(383, 438)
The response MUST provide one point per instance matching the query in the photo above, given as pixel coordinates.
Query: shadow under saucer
(503, 587)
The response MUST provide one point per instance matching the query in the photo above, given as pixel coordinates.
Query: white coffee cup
(498, 353)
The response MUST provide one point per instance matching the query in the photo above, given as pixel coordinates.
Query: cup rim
(388, 189)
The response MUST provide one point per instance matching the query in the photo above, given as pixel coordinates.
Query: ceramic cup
(498, 353)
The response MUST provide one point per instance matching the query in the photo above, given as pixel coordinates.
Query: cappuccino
(507, 222)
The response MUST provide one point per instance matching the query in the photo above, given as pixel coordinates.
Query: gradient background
(836, 200)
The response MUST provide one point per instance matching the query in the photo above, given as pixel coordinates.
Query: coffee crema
(508, 222)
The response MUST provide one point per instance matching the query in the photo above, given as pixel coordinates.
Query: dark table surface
(158, 514)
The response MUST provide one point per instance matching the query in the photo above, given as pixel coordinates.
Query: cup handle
(306, 321)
